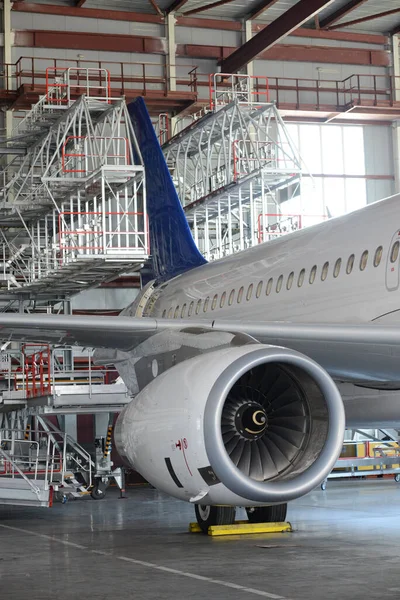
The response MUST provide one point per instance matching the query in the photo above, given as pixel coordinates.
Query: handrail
(34, 487)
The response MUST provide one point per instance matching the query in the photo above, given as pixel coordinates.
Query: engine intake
(244, 425)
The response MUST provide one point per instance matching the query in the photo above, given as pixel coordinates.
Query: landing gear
(267, 514)
(99, 490)
(214, 515)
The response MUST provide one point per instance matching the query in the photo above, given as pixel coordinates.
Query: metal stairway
(233, 165)
(73, 200)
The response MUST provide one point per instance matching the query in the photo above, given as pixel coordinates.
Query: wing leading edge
(356, 353)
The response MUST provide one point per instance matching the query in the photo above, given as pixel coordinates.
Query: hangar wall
(313, 58)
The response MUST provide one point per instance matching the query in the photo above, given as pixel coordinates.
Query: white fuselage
(239, 287)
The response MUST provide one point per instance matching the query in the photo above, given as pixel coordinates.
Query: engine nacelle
(240, 426)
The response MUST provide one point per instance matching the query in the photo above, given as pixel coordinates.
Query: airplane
(246, 371)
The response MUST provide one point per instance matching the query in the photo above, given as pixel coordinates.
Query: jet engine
(245, 426)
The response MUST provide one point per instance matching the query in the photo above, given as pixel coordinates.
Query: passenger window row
(196, 307)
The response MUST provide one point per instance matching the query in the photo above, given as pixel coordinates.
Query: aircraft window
(395, 252)
(279, 284)
(249, 292)
(176, 313)
(324, 272)
(191, 305)
(198, 307)
(223, 298)
(290, 281)
(269, 286)
(214, 302)
(164, 314)
(301, 277)
(313, 273)
(231, 296)
(183, 313)
(240, 295)
(170, 313)
(350, 264)
(206, 301)
(259, 289)
(336, 270)
(378, 256)
(363, 260)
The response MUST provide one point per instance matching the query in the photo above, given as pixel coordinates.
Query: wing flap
(355, 353)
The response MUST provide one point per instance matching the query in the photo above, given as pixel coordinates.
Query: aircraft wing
(357, 353)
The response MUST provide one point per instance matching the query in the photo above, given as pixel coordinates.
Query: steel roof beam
(156, 8)
(175, 5)
(206, 7)
(278, 29)
(369, 18)
(260, 8)
(340, 13)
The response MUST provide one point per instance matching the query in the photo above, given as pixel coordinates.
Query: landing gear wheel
(99, 491)
(323, 486)
(214, 515)
(397, 477)
(267, 514)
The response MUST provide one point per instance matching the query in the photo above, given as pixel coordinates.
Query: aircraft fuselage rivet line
(150, 565)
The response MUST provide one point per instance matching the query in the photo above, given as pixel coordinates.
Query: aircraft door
(392, 265)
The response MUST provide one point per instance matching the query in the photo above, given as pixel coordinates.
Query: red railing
(287, 223)
(37, 370)
(123, 158)
(225, 88)
(316, 94)
(249, 155)
(96, 239)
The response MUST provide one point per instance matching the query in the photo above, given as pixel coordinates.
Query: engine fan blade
(288, 449)
(279, 459)
(294, 423)
(237, 452)
(269, 467)
(231, 445)
(290, 435)
(256, 467)
(245, 459)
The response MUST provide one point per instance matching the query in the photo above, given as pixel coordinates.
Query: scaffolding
(233, 164)
(41, 387)
(73, 199)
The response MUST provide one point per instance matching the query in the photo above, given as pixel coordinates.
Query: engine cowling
(246, 426)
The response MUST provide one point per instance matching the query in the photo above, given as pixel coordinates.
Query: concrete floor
(345, 545)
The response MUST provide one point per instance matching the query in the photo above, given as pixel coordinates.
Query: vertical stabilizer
(171, 243)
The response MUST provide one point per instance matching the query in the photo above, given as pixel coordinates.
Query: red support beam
(218, 24)
(207, 7)
(387, 13)
(268, 37)
(260, 8)
(295, 53)
(340, 13)
(90, 13)
(155, 6)
(176, 5)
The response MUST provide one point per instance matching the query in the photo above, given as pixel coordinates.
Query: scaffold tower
(73, 198)
(234, 166)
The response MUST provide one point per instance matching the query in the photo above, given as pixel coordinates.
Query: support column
(7, 56)
(171, 57)
(248, 34)
(396, 124)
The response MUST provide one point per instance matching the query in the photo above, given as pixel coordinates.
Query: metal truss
(73, 203)
(231, 166)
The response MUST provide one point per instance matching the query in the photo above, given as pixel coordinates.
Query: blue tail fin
(171, 242)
